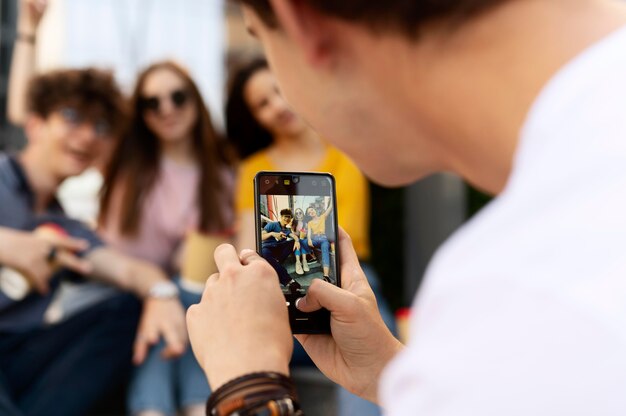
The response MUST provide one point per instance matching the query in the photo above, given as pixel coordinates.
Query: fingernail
(246, 251)
(298, 302)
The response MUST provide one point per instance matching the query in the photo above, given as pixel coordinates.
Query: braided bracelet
(268, 393)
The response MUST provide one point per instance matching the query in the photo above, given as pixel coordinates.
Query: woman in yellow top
(316, 236)
(270, 136)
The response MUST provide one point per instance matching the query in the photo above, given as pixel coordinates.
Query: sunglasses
(74, 119)
(178, 97)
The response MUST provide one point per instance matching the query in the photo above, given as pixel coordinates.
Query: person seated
(278, 242)
(317, 238)
(71, 115)
(300, 228)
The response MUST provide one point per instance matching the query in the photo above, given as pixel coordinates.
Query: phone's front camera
(296, 179)
(267, 181)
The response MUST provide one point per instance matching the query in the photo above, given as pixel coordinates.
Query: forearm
(22, 69)
(127, 273)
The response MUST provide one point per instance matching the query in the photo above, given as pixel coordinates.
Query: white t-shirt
(523, 311)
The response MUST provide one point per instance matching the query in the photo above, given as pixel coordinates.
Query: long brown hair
(135, 163)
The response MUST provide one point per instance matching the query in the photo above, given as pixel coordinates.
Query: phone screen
(296, 224)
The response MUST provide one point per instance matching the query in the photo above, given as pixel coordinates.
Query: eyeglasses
(75, 119)
(153, 103)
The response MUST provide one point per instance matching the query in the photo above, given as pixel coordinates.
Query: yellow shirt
(353, 209)
(317, 225)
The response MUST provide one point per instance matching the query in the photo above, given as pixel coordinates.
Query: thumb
(324, 295)
(248, 256)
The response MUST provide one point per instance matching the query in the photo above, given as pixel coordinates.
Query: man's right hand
(279, 236)
(28, 253)
(360, 345)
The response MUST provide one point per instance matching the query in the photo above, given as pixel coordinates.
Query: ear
(310, 29)
(33, 126)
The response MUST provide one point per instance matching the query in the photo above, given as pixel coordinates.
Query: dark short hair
(407, 16)
(91, 91)
(286, 211)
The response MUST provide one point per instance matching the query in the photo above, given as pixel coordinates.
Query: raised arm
(23, 61)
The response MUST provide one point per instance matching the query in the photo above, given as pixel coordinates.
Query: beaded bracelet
(255, 393)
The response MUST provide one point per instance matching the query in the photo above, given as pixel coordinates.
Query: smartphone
(296, 232)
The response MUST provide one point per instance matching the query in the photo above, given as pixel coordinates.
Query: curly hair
(92, 91)
(405, 16)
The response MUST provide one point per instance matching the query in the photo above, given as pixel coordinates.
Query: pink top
(170, 210)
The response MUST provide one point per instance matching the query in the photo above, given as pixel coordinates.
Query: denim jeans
(168, 385)
(304, 247)
(321, 242)
(276, 253)
(63, 369)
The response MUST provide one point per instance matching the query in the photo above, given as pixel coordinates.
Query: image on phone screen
(296, 229)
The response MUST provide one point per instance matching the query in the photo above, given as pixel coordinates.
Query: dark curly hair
(406, 16)
(93, 92)
(242, 128)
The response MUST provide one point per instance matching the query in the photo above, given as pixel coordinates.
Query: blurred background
(210, 40)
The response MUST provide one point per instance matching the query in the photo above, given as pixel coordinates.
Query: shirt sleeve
(494, 347)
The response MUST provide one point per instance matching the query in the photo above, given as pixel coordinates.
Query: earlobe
(32, 127)
(310, 30)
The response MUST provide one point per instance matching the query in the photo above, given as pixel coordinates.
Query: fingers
(324, 295)
(73, 262)
(68, 243)
(143, 341)
(248, 256)
(175, 342)
(226, 256)
(348, 255)
(38, 277)
(349, 262)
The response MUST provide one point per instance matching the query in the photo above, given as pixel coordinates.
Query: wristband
(255, 393)
(24, 37)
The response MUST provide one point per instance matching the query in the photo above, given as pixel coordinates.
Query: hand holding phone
(298, 209)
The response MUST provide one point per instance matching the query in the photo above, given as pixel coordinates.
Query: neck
(179, 151)
(305, 139)
(43, 183)
(472, 86)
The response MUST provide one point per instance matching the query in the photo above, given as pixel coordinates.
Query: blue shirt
(17, 211)
(275, 227)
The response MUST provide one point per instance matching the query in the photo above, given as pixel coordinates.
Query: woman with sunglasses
(268, 135)
(171, 175)
(300, 228)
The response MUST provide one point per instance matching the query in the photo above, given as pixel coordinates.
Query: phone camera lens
(296, 179)
(267, 181)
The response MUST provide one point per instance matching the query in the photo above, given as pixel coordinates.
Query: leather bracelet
(26, 38)
(255, 393)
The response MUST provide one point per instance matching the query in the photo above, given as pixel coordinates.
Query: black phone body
(298, 207)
